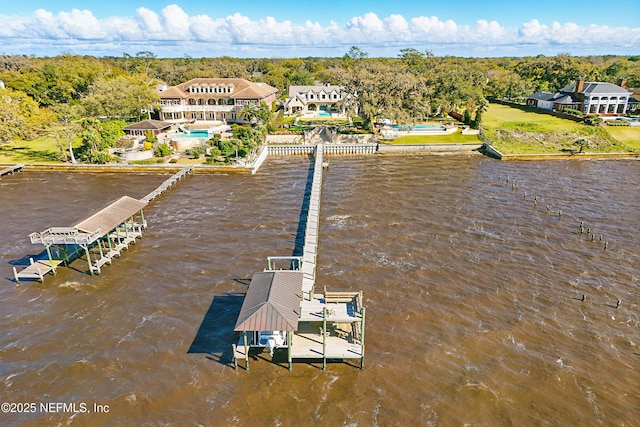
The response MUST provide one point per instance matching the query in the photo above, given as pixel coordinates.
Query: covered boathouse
(277, 314)
(100, 238)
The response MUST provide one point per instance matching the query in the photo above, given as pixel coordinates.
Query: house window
(310, 96)
(229, 89)
(324, 96)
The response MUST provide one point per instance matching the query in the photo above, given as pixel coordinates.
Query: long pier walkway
(168, 183)
(310, 248)
(10, 170)
(282, 309)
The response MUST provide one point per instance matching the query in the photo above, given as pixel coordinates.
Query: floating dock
(10, 170)
(283, 311)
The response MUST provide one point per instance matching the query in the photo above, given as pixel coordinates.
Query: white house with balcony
(318, 100)
(589, 97)
(212, 99)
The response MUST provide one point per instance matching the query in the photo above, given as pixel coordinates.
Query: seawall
(430, 148)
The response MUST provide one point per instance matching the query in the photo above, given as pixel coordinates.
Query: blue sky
(321, 28)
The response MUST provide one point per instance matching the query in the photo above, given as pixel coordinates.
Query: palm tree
(250, 112)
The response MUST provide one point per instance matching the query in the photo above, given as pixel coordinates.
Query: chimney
(622, 83)
(579, 86)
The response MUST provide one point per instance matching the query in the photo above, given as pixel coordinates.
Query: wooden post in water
(235, 360)
(246, 352)
(100, 248)
(144, 223)
(362, 339)
(53, 268)
(289, 343)
(324, 337)
(86, 251)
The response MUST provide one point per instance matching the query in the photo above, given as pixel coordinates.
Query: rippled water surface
(473, 272)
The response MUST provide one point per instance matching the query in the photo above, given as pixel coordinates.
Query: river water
(472, 283)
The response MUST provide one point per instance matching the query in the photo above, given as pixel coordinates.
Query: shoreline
(398, 150)
(169, 168)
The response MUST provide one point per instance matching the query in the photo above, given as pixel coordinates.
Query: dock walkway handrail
(167, 183)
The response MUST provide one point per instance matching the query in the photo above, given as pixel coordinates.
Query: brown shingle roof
(272, 302)
(241, 88)
(148, 125)
(173, 92)
(111, 216)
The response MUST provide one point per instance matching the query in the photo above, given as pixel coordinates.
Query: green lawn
(629, 135)
(454, 138)
(41, 150)
(514, 131)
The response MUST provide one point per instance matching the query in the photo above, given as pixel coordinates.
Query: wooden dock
(168, 183)
(326, 325)
(99, 238)
(10, 170)
(37, 269)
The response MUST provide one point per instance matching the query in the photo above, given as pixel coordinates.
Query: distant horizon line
(187, 56)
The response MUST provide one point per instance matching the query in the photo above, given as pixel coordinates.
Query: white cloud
(172, 28)
(80, 24)
(176, 22)
(149, 21)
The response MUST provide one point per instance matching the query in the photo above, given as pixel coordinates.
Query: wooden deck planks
(36, 270)
(309, 346)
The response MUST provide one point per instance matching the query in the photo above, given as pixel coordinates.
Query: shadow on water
(216, 335)
(304, 211)
(25, 260)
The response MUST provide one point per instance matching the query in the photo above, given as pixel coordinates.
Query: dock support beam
(48, 247)
(235, 359)
(324, 339)
(362, 339)
(289, 342)
(86, 251)
(246, 351)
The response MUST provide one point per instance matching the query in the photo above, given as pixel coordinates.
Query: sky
(324, 28)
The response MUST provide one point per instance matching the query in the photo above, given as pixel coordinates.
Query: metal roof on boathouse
(272, 302)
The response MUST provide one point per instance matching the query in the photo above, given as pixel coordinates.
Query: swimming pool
(419, 127)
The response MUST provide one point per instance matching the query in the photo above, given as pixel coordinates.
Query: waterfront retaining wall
(432, 148)
(332, 149)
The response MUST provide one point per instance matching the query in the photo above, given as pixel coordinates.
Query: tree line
(63, 95)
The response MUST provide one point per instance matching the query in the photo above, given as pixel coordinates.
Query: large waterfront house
(315, 100)
(588, 97)
(212, 99)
